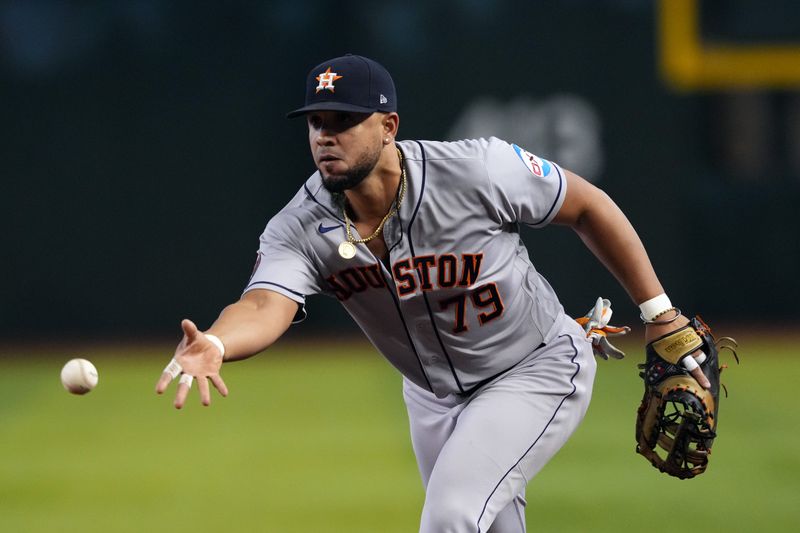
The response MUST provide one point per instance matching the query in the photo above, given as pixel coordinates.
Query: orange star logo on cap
(326, 80)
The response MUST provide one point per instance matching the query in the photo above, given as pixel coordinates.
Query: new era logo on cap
(349, 83)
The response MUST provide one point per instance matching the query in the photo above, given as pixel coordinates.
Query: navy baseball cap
(348, 83)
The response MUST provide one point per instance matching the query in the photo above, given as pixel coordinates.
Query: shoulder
(469, 162)
(310, 205)
(466, 149)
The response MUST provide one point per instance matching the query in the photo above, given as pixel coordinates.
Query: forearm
(252, 324)
(606, 231)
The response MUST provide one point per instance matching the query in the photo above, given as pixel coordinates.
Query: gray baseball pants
(476, 455)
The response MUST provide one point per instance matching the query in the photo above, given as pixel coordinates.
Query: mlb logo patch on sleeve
(538, 166)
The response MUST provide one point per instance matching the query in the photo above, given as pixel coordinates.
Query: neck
(373, 197)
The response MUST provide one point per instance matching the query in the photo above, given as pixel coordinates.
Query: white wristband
(216, 342)
(654, 306)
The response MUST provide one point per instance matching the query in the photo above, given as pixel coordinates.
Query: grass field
(315, 440)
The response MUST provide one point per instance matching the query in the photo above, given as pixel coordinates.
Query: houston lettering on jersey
(411, 275)
(356, 279)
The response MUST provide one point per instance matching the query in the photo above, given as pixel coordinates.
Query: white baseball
(79, 376)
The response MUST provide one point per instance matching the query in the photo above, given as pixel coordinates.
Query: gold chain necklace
(347, 249)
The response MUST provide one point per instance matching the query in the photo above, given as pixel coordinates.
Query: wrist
(664, 326)
(216, 342)
(656, 307)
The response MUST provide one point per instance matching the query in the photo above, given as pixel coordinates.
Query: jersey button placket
(394, 249)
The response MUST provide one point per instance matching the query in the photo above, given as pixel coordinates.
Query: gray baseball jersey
(458, 301)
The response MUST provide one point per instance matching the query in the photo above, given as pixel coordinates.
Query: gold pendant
(347, 250)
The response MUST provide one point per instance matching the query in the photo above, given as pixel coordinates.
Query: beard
(338, 183)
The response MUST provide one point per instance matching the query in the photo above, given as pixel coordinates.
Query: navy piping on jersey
(561, 403)
(310, 195)
(301, 295)
(400, 239)
(331, 213)
(405, 327)
(424, 294)
(396, 304)
(558, 195)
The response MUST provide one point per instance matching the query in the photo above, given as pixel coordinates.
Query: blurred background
(144, 144)
(144, 147)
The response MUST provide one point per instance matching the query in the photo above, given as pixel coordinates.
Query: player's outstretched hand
(655, 331)
(196, 357)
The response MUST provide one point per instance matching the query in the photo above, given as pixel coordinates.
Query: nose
(325, 137)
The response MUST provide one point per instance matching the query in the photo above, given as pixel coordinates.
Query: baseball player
(419, 241)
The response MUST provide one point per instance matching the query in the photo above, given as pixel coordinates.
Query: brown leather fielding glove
(677, 420)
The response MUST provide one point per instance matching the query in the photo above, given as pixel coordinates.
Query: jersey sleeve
(283, 267)
(526, 189)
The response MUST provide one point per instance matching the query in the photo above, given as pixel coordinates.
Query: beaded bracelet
(664, 312)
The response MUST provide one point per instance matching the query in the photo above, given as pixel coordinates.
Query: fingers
(184, 385)
(219, 384)
(701, 378)
(205, 394)
(163, 383)
(699, 356)
(690, 364)
(171, 371)
(189, 329)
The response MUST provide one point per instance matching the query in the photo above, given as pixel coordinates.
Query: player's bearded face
(352, 176)
(346, 147)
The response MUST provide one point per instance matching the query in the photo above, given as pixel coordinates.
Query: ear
(390, 123)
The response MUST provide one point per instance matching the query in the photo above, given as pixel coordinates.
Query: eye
(315, 121)
(345, 118)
